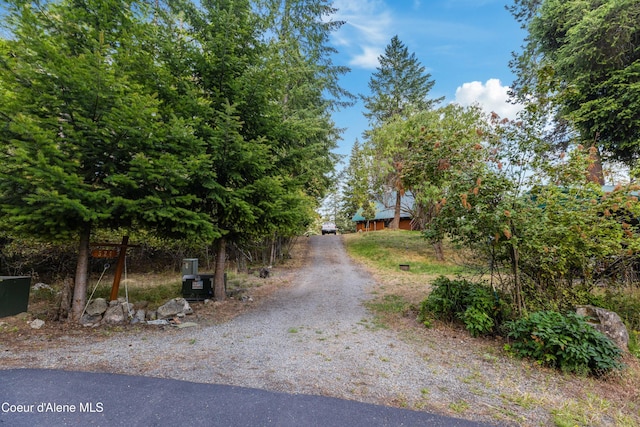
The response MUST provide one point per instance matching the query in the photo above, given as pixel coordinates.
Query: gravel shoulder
(315, 336)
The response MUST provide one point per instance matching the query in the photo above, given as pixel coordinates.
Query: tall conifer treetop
(398, 83)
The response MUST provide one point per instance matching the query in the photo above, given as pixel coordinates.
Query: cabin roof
(385, 209)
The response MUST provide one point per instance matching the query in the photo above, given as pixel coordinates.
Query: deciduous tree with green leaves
(542, 221)
(444, 147)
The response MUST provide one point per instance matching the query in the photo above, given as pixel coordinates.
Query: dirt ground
(16, 331)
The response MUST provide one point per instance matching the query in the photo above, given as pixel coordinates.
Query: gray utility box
(190, 267)
(14, 294)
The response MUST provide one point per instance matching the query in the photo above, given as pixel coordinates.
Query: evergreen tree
(356, 191)
(306, 82)
(582, 57)
(83, 143)
(263, 121)
(399, 87)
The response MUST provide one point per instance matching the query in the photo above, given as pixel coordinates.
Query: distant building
(384, 215)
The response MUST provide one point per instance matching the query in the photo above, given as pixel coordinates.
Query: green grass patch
(386, 250)
(389, 304)
(459, 407)
(589, 411)
(156, 294)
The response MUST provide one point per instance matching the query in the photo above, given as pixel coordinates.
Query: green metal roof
(386, 212)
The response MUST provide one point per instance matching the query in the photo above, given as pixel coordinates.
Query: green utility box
(14, 294)
(200, 287)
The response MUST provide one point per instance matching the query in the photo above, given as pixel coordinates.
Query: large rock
(36, 323)
(97, 307)
(90, 321)
(117, 313)
(173, 308)
(140, 315)
(607, 322)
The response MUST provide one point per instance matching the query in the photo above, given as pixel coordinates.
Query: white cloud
(367, 30)
(370, 24)
(368, 58)
(491, 96)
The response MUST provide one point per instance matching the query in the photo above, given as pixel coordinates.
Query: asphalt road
(36, 397)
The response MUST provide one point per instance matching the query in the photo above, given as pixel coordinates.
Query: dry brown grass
(15, 331)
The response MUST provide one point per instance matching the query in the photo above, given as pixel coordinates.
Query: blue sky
(465, 45)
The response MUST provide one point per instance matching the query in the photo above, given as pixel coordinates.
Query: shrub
(476, 305)
(563, 341)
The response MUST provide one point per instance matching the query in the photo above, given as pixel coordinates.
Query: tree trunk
(82, 272)
(439, 251)
(596, 174)
(65, 299)
(515, 267)
(219, 293)
(272, 258)
(395, 224)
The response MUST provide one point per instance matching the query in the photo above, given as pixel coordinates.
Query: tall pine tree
(262, 119)
(399, 87)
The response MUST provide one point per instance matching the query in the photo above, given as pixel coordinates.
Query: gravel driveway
(316, 337)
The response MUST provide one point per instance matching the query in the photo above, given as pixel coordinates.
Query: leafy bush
(476, 305)
(556, 295)
(563, 341)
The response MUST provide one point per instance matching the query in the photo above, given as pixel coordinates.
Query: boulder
(117, 313)
(120, 300)
(140, 315)
(607, 322)
(36, 323)
(174, 307)
(161, 322)
(97, 307)
(38, 286)
(89, 320)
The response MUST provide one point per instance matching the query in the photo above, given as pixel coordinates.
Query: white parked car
(329, 228)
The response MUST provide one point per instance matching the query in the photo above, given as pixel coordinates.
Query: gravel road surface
(314, 337)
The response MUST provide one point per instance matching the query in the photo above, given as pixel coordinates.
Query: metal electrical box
(14, 294)
(197, 287)
(190, 266)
